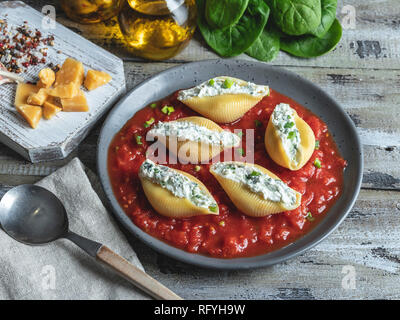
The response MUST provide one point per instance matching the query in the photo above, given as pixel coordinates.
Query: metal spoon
(33, 215)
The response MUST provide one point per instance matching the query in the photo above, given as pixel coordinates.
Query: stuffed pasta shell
(223, 99)
(289, 140)
(174, 193)
(254, 190)
(196, 139)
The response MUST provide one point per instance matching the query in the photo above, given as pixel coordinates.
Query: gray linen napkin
(61, 270)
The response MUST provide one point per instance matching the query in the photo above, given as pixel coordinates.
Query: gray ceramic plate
(288, 83)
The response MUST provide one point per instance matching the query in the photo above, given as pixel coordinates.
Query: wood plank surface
(363, 74)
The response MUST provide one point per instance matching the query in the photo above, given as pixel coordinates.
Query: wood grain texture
(363, 74)
(55, 139)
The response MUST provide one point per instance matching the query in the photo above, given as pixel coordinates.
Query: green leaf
(311, 46)
(296, 17)
(266, 47)
(221, 14)
(238, 38)
(328, 12)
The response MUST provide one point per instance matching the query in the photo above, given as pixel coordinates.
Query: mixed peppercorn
(21, 47)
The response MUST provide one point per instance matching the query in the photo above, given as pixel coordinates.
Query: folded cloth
(61, 270)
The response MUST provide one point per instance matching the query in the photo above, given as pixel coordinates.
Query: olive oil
(158, 29)
(91, 11)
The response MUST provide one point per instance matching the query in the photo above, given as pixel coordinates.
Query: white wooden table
(363, 73)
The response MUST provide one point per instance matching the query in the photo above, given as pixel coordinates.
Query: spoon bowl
(33, 215)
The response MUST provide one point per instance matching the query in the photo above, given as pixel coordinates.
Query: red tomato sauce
(231, 233)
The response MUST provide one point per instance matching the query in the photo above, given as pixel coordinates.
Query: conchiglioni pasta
(254, 190)
(194, 139)
(174, 193)
(289, 140)
(223, 99)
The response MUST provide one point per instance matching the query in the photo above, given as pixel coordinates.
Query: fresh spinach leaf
(328, 15)
(266, 47)
(296, 17)
(221, 14)
(309, 46)
(235, 39)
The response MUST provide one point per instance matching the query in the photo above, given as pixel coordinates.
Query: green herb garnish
(167, 110)
(240, 134)
(309, 217)
(257, 123)
(197, 168)
(138, 139)
(213, 208)
(317, 163)
(316, 144)
(211, 82)
(291, 135)
(228, 83)
(288, 125)
(148, 123)
(153, 105)
(255, 174)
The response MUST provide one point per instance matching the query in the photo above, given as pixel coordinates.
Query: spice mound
(21, 47)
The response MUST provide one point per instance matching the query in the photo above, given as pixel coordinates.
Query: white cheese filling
(178, 184)
(258, 182)
(186, 130)
(223, 85)
(284, 122)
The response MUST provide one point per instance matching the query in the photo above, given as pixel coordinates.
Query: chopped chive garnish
(241, 151)
(255, 174)
(148, 123)
(291, 135)
(228, 83)
(138, 139)
(309, 217)
(197, 168)
(213, 208)
(317, 163)
(211, 82)
(153, 105)
(167, 110)
(316, 144)
(288, 125)
(258, 123)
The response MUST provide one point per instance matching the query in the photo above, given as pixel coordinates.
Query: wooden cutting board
(56, 138)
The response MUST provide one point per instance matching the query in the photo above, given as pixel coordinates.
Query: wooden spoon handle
(135, 275)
